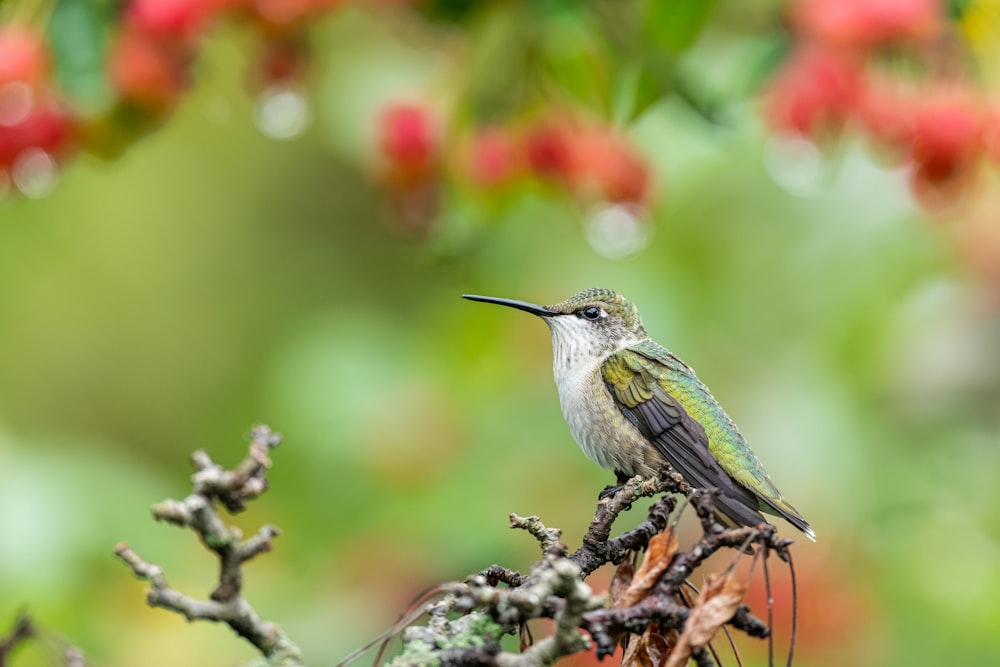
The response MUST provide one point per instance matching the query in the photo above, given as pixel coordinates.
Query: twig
(496, 574)
(25, 630)
(597, 547)
(637, 538)
(232, 489)
(562, 579)
(795, 608)
(548, 538)
(22, 631)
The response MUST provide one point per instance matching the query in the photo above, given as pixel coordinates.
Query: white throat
(577, 350)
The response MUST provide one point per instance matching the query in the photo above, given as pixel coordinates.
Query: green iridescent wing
(632, 379)
(662, 396)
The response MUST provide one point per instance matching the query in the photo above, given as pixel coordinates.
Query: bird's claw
(610, 490)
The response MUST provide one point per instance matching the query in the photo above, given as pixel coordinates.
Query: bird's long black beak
(532, 308)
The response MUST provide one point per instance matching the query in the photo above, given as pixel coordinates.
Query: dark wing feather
(681, 440)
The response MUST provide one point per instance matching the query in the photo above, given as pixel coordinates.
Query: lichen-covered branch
(646, 609)
(548, 538)
(561, 578)
(214, 485)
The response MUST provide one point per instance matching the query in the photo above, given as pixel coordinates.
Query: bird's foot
(610, 490)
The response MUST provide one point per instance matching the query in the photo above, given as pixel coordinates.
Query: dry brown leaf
(649, 649)
(660, 551)
(620, 582)
(657, 649)
(718, 601)
(637, 651)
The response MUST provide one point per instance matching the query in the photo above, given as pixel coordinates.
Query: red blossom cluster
(589, 160)
(150, 62)
(839, 75)
(34, 123)
(148, 67)
(592, 161)
(844, 72)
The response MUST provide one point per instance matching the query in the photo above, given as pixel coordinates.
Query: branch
(548, 538)
(23, 631)
(598, 549)
(232, 489)
(562, 579)
(654, 608)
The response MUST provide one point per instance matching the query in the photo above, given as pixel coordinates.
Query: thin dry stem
(213, 485)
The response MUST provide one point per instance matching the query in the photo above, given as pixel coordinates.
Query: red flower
(949, 140)
(47, 126)
(596, 162)
(815, 92)
(24, 56)
(885, 114)
(408, 142)
(548, 150)
(175, 20)
(606, 164)
(866, 23)
(148, 73)
(494, 157)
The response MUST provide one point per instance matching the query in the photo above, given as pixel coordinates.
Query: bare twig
(232, 489)
(496, 574)
(597, 547)
(27, 630)
(22, 631)
(770, 611)
(548, 538)
(795, 608)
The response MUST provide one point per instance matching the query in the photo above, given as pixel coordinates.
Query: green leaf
(642, 71)
(78, 33)
(625, 100)
(675, 24)
(453, 11)
(575, 60)
(639, 85)
(496, 73)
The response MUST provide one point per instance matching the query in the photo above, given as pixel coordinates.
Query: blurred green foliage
(212, 278)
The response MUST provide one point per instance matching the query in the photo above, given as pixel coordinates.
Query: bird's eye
(591, 312)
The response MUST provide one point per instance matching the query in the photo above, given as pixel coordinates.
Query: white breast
(576, 400)
(595, 422)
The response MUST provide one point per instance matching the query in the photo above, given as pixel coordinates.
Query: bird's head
(594, 322)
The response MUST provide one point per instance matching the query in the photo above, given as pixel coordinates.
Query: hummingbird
(632, 406)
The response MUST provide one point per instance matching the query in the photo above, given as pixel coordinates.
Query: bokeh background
(211, 277)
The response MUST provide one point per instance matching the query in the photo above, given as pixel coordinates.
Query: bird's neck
(576, 356)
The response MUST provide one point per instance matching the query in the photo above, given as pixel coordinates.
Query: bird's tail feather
(733, 513)
(785, 510)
